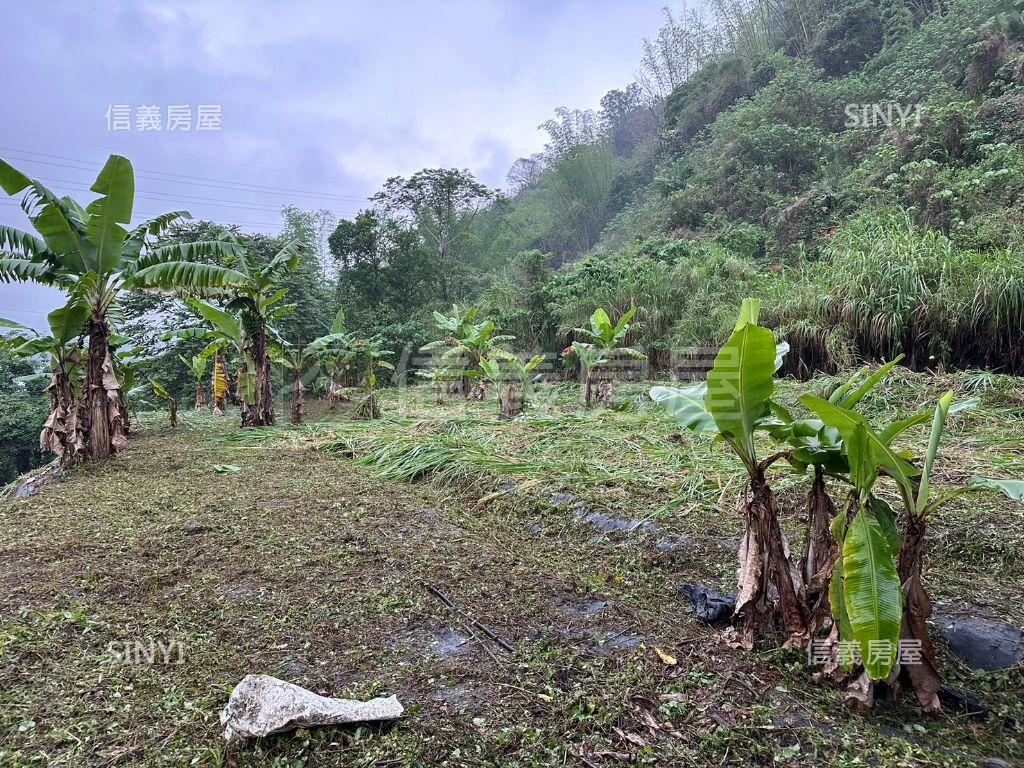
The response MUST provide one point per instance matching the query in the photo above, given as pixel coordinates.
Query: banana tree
(865, 587)
(297, 358)
(332, 352)
(440, 376)
(161, 393)
(516, 376)
(466, 344)
(254, 293)
(197, 365)
(89, 253)
(602, 348)
(224, 332)
(369, 358)
(128, 362)
(734, 403)
(869, 613)
(62, 432)
(227, 329)
(820, 448)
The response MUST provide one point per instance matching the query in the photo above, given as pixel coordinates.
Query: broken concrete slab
(261, 705)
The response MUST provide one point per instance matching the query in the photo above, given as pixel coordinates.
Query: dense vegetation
(756, 155)
(854, 165)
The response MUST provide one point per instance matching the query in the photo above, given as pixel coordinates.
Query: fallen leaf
(665, 658)
(632, 738)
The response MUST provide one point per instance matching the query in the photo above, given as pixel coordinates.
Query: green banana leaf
(1014, 489)
(871, 592)
(686, 405)
(740, 384)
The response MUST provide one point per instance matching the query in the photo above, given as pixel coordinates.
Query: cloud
(318, 96)
(392, 88)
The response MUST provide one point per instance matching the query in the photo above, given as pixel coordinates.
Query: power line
(147, 214)
(196, 180)
(176, 156)
(23, 311)
(172, 197)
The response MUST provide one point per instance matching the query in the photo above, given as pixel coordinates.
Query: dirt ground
(311, 563)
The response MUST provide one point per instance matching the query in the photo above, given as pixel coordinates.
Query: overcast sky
(319, 102)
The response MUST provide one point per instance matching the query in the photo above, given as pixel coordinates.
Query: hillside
(856, 166)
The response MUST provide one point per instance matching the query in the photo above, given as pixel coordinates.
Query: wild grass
(890, 288)
(632, 461)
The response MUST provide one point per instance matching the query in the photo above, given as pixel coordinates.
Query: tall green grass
(890, 287)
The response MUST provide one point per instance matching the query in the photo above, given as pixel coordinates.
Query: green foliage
(740, 384)
(736, 399)
(22, 413)
(894, 288)
(871, 593)
(604, 341)
(467, 343)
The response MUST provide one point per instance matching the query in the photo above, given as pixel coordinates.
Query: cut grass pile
(309, 564)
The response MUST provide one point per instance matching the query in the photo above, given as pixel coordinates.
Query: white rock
(262, 705)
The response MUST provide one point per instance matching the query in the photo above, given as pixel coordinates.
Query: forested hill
(856, 165)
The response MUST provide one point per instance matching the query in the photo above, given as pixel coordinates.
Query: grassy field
(566, 532)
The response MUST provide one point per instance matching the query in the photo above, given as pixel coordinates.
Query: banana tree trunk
(264, 393)
(917, 609)
(604, 393)
(103, 402)
(368, 408)
(298, 401)
(476, 394)
(200, 395)
(510, 402)
(588, 389)
(261, 412)
(62, 432)
(336, 390)
(768, 585)
(820, 554)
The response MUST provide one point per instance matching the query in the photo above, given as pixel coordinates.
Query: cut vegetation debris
(311, 565)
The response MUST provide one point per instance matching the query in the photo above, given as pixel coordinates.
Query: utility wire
(161, 197)
(147, 214)
(40, 130)
(171, 177)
